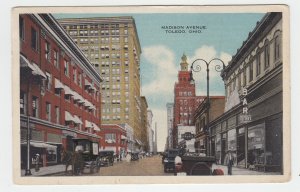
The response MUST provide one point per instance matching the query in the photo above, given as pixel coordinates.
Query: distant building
(149, 130)
(170, 119)
(144, 123)
(185, 100)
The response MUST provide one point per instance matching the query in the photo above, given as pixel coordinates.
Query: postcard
(151, 94)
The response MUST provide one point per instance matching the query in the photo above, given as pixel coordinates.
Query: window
(22, 28)
(75, 75)
(277, 48)
(239, 81)
(251, 72)
(48, 81)
(66, 68)
(267, 56)
(258, 63)
(34, 39)
(80, 80)
(55, 59)
(35, 106)
(48, 111)
(57, 115)
(23, 103)
(244, 77)
(110, 138)
(47, 51)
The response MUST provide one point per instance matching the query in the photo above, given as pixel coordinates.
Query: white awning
(68, 91)
(58, 84)
(77, 119)
(96, 128)
(41, 145)
(38, 71)
(123, 137)
(69, 117)
(76, 96)
(81, 100)
(88, 124)
(25, 63)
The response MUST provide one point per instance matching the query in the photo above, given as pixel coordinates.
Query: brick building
(216, 108)
(59, 90)
(185, 99)
(114, 138)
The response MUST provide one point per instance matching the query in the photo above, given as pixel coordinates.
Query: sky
(216, 35)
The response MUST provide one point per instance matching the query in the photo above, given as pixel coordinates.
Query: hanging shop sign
(245, 117)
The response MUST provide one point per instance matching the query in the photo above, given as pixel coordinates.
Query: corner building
(113, 47)
(253, 84)
(59, 90)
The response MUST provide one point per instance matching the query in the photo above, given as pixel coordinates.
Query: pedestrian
(177, 165)
(229, 161)
(36, 161)
(128, 157)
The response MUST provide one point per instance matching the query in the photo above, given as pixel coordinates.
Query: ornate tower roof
(184, 64)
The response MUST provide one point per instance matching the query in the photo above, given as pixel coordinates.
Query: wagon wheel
(200, 168)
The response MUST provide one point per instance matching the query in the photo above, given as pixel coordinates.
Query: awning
(81, 100)
(40, 145)
(96, 128)
(68, 91)
(58, 84)
(88, 124)
(69, 117)
(123, 137)
(38, 71)
(76, 96)
(25, 63)
(77, 120)
(138, 142)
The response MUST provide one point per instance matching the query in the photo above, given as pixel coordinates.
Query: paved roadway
(150, 166)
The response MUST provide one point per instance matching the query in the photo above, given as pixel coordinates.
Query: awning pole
(27, 171)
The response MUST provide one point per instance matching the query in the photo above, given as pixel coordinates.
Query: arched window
(267, 54)
(277, 44)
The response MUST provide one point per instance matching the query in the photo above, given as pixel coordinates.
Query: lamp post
(197, 68)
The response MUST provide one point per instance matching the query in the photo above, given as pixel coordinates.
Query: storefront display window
(218, 148)
(231, 138)
(256, 144)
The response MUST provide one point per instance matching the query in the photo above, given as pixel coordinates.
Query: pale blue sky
(161, 51)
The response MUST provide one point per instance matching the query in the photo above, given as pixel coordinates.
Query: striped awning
(69, 117)
(96, 128)
(58, 84)
(77, 119)
(88, 124)
(68, 91)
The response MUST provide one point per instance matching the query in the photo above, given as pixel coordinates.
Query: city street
(150, 166)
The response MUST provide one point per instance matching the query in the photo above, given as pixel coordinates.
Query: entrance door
(69, 143)
(223, 147)
(241, 149)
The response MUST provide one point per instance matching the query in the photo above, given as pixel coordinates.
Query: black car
(106, 158)
(134, 156)
(169, 159)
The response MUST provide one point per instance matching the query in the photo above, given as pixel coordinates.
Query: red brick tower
(185, 99)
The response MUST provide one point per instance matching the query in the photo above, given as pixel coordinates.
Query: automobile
(169, 159)
(87, 153)
(106, 158)
(134, 156)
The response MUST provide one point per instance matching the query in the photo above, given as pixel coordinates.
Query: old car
(169, 159)
(106, 158)
(86, 155)
(134, 156)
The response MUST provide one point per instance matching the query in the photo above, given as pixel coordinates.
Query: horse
(74, 159)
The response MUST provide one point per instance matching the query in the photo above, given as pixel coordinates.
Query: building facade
(216, 108)
(149, 130)
(59, 90)
(112, 45)
(170, 119)
(114, 139)
(144, 123)
(185, 99)
(252, 124)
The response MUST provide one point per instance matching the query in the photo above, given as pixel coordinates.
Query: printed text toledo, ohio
(183, 29)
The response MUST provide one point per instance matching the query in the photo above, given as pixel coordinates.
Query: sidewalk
(44, 171)
(243, 171)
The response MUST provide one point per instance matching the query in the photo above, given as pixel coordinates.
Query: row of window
(184, 93)
(96, 26)
(261, 62)
(97, 32)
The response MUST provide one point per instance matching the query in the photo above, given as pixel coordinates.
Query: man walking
(229, 161)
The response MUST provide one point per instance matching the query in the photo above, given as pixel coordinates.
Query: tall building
(112, 45)
(144, 123)
(149, 130)
(252, 124)
(185, 99)
(59, 90)
(170, 119)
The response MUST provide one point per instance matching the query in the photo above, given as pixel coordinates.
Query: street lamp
(197, 68)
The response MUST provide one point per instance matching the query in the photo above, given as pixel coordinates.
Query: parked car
(134, 156)
(106, 158)
(169, 159)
